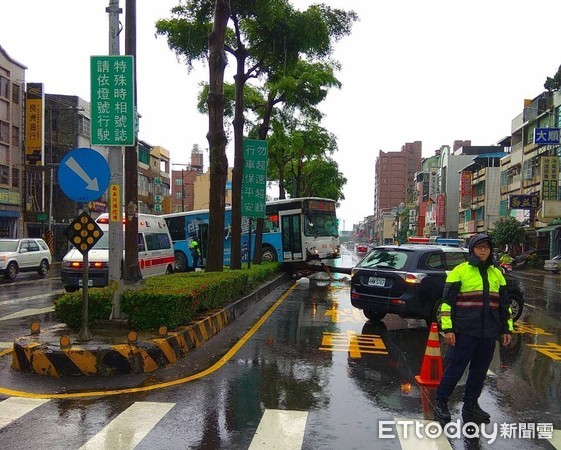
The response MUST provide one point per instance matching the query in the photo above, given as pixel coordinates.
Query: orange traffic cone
(431, 369)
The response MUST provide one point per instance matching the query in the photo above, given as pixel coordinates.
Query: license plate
(81, 282)
(376, 281)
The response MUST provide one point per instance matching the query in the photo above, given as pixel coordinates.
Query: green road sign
(254, 178)
(112, 106)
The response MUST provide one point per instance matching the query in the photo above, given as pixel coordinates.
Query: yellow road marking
(211, 369)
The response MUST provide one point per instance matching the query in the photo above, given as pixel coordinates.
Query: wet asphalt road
(333, 374)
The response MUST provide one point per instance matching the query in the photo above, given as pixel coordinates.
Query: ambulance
(155, 254)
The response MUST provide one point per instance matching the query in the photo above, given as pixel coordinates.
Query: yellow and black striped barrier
(34, 354)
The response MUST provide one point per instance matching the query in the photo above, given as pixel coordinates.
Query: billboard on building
(465, 189)
(440, 210)
(34, 124)
(550, 177)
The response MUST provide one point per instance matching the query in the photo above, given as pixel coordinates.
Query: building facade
(12, 107)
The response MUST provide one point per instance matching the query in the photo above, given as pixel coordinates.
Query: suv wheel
(43, 268)
(516, 306)
(374, 316)
(11, 271)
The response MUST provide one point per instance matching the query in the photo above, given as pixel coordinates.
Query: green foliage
(169, 300)
(68, 308)
(535, 262)
(553, 84)
(508, 231)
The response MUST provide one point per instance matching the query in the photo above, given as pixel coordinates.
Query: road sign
(112, 100)
(83, 233)
(83, 175)
(254, 178)
(547, 136)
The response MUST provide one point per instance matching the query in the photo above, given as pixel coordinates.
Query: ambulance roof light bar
(435, 240)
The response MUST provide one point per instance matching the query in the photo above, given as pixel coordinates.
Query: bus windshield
(320, 223)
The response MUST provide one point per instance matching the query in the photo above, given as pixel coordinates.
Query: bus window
(176, 227)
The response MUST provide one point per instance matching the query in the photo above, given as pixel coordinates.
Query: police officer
(195, 252)
(474, 313)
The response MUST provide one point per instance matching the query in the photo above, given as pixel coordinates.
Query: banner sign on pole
(254, 178)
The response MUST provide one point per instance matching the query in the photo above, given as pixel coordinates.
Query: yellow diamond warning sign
(83, 233)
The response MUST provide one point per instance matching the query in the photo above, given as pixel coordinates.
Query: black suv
(408, 280)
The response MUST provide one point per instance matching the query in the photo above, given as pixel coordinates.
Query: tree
(508, 231)
(217, 137)
(553, 84)
(268, 35)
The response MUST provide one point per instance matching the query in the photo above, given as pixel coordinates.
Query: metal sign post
(83, 233)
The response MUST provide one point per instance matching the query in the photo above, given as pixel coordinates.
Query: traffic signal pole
(115, 184)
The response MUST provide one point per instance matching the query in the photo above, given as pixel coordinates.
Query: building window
(4, 132)
(178, 195)
(4, 87)
(15, 177)
(16, 94)
(15, 136)
(178, 182)
(84, 126)
(4, 173)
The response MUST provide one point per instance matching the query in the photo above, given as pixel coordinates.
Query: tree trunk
(237, 172)
(217, 137)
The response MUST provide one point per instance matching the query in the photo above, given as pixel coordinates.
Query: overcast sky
(433, 71)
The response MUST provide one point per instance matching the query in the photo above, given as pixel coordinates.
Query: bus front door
(202, 235)
(291, 232)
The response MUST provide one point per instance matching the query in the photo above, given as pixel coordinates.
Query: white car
(24, 255)
(553, 265)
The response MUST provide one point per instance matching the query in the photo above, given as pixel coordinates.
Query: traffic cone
(431, 369)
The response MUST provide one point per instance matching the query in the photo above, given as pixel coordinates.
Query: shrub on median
(68, 308)
(169, 300)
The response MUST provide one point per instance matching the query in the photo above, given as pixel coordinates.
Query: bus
(295, 230)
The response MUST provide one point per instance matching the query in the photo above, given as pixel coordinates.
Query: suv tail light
(414, 278)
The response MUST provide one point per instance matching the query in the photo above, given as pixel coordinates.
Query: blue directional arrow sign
(83, 175)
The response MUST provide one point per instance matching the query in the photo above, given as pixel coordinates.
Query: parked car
(553, 265)
(24, 255)
(408, 280)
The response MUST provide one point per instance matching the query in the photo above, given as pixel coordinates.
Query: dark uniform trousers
(480, 351)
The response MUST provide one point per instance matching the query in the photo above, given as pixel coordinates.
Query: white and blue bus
(295, 230)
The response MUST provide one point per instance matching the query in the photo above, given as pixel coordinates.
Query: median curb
(110, 352)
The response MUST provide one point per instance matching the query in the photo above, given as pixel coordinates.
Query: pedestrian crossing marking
(414, 442)
(28, 312)
(131, 426)
(13, 408)
(280, 429)
(556, 439)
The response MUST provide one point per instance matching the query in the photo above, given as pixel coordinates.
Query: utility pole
(131, 269)
(115, 161)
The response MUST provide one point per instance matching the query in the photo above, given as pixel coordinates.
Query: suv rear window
(385, 258)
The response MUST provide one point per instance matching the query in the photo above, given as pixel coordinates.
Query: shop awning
(548, 228)
(9, 214)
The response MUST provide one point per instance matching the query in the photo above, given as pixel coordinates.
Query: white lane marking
(6, 344)
(131, 426)
(14, 407)
(280, 429)
(28, 312)
(414, 442)
(556, 439)
(31, 297)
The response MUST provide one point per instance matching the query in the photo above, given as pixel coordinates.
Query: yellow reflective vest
(473, 305)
